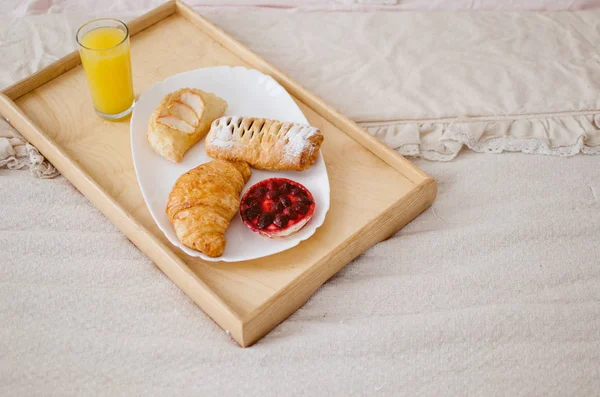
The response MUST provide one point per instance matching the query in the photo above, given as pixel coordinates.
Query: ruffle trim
(561, 135)
(16, 153)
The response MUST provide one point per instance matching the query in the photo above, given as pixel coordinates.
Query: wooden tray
(374, 191)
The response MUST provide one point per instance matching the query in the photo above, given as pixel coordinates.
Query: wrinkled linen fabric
(494, 291)
(489, 81)
(33, 7)
(17, 153)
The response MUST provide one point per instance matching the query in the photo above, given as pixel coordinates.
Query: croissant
(264, 144)
(203, 201)
(181, 120)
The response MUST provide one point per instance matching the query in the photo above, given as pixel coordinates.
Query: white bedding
(493, 291)
(32, 7)
(491, 81)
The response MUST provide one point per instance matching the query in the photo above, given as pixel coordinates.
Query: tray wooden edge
(162, 255)
(154, 16)
(245, 331)
(388, 155)
(281, 305)
(71, 60)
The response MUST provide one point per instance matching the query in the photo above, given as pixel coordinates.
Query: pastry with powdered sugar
(263, 143)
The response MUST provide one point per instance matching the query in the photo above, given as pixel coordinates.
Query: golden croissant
(203, 201)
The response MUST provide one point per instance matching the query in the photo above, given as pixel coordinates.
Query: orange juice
(106, 60)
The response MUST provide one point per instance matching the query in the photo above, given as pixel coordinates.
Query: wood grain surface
(374, 191)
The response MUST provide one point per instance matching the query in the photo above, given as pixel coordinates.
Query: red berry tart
(277, 207)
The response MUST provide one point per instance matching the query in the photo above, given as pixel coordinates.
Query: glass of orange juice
(104, 52)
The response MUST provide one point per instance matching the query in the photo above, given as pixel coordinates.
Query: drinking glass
(105, 55)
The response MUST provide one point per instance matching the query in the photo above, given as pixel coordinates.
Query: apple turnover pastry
(264, 144)
(203, 201)
(181, 120)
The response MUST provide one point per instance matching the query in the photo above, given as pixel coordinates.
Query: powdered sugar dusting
(223, 132)
(296, 138)
(298, 141)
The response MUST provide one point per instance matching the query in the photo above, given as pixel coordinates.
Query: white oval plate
(248, 93)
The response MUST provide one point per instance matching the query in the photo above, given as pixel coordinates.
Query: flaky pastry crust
(171, 143)
(203, 201)
(263, 143)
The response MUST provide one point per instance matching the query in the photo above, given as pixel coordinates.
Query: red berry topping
(285, 201)
(272, 186)
(252, 213)
(251, 201)
(277, 207)
(284, 188)
(259, 192)
(300, 208)
(305, 200)
(290, 213)
(281, 220)
(265, 220)
(272, 194)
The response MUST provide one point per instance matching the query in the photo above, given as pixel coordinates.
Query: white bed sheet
(493, 291)
(31, 7)
(490, 81)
